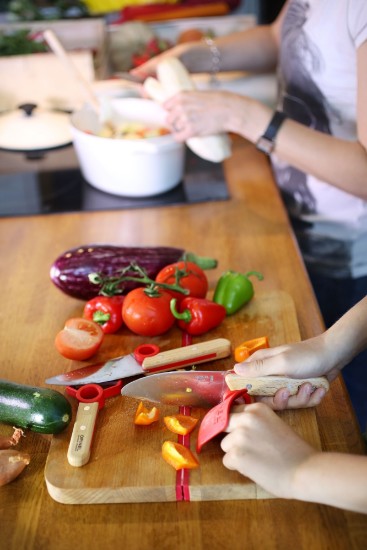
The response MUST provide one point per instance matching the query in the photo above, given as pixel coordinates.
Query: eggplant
(71, 269)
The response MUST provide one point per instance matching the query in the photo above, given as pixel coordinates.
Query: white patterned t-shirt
(318, 87)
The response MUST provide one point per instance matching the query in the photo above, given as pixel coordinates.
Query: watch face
(265, 145)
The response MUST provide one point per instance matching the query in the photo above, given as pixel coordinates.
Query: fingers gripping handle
(269, 385)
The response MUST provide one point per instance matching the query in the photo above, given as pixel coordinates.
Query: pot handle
(27, 108)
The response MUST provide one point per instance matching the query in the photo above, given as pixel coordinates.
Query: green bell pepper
(234, 290)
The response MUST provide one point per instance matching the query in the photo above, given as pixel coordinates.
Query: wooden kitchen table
(249, 231)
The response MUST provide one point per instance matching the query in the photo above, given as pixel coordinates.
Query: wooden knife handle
(188, 355)
(81, 438)
(269, 385)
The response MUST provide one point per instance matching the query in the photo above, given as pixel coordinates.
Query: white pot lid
(30, 128)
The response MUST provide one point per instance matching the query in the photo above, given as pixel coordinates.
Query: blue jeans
(336, 297)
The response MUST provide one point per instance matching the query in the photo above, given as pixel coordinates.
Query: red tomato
(189, 275)
(79, 339)
(146, 315)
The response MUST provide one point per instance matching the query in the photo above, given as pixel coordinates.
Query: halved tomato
(79, 339)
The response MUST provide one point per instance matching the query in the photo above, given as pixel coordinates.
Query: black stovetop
(39, 189)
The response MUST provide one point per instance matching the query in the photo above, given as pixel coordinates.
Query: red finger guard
(216, 420)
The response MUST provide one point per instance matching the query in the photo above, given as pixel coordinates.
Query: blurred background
(264, 10)
(39, 171)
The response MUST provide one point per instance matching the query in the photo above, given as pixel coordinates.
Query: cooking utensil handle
(269, 385)
(188, 355)
(59, 50)
(81, 438)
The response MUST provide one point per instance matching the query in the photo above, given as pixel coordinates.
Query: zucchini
(70, 270)
(30, 408)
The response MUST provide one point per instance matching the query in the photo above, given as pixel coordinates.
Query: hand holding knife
(196, 388)
(208, 388)
(215, 389)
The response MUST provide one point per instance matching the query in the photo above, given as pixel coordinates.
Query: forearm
(253, 50)
(348, 336)
(339, 162)
(333, 478)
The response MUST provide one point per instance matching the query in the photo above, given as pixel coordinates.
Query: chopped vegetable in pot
(132, 130)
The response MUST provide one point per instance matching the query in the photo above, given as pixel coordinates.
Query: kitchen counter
(249, 231)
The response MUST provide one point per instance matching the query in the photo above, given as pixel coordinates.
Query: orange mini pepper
(144, 416)
(244, 350)
(178, 456)
(180, 423)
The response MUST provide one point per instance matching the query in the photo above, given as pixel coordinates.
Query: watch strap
(266, 142)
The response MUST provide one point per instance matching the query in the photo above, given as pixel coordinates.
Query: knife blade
(207, 388)
(127, 366)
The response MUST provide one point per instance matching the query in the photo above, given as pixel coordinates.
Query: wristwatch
(266, 142)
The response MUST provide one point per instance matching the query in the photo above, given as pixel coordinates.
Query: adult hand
(202, 113)
(262, 447)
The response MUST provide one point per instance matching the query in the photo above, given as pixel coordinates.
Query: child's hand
(262, 447)
(306, 359)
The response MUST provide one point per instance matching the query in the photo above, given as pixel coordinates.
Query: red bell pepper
(197, 315)
(106, 311)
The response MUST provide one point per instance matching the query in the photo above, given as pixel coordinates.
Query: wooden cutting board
(126, 464)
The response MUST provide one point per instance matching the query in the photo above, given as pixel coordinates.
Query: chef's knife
(207, 388)
(127, 365)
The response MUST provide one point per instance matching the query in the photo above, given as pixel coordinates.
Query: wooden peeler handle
(81, 438)
(269, 385)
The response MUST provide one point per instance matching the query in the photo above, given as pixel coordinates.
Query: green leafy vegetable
(19, 43)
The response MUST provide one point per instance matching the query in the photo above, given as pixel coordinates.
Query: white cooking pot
(128, 167)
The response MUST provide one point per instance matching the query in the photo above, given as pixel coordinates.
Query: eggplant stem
(201, 261)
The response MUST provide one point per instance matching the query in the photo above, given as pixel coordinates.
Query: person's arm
(340, 162)
(265, 449)
(254, 50)
(323, 355)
